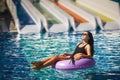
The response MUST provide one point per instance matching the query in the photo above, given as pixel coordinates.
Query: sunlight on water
(17, 51)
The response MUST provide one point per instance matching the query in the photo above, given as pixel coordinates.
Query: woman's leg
(60, 57)
(45, 63)
(49, 61)
(40, 62)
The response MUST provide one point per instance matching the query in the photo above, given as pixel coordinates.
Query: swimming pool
(17, 51)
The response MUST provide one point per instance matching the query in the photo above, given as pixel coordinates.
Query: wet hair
(90, 42)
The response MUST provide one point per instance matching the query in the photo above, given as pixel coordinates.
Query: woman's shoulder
(87, 46)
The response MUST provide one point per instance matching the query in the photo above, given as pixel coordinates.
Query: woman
(83, 50)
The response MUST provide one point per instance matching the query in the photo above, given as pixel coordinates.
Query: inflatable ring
(79, 64)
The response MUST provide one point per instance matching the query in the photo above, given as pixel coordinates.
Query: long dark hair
(90, 42)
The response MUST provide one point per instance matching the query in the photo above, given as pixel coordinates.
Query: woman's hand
(65, 56)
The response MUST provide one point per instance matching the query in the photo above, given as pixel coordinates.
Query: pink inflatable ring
(79, 64)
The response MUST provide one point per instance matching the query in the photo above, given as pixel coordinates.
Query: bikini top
(80, 49)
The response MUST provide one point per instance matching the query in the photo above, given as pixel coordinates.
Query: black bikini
(78, 50)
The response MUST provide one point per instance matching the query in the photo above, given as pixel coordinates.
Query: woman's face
(85, 36)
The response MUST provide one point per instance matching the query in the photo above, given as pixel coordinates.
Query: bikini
(78, 50)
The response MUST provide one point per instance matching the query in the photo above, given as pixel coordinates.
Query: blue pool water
(17, 51)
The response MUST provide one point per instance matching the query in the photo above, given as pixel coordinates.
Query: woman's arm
(88, 51)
